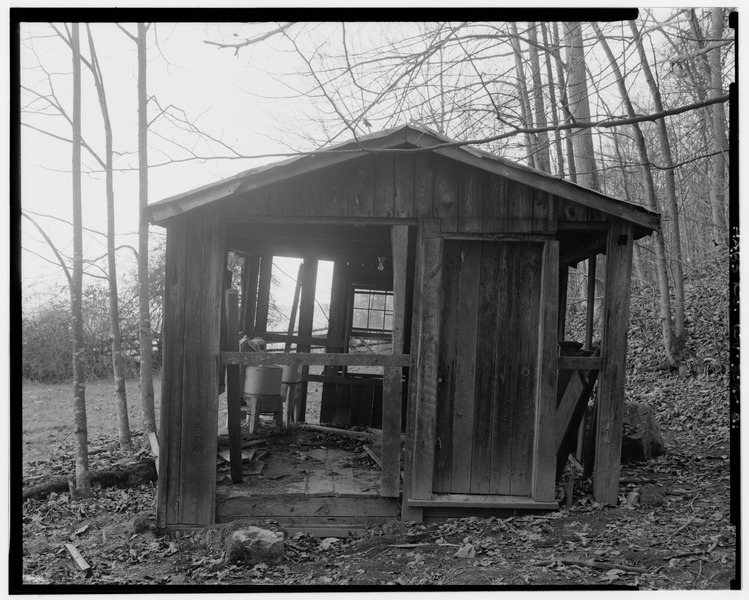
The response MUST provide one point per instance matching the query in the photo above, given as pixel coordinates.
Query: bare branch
(250, 41)
(51, 245)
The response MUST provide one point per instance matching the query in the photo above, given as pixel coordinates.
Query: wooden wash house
(480, 397)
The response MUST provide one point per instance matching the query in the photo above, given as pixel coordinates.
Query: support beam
(263, 294)
(306, 317)
(254, 359)
(233, 386)
(189, 401)
(591, 302)
(250, 273)
(294, 308)
(613, 355)
(564, 276)
(338, 318)
(392, 396)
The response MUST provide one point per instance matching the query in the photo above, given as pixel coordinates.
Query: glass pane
(361, 300)
(389, 322)
(360, 318)
(376, 320)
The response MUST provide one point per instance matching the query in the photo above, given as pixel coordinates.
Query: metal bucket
(264, 380)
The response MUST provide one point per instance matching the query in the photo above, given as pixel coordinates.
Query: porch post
(189, 400)
(613, 355)
(392, 390)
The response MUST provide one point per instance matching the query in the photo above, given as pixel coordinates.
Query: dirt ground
(685, 543)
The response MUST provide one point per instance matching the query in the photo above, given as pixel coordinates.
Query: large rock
(243, 541)
(641, 438)
(253, 546)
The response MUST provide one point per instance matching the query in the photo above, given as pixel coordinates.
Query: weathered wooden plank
(495, 204)
(324, 507)
(338, 315)
(528, 265)
(306, 320)
(302, 196)
(548, 183)
(507, 373)
(251, 359)
(567, 210)
(233, 387)
(413, 513)
(544, 213)
(590, 309)
(485, 411)
(564, 272)
(465, 369)
(250, 273)
(361, 181)
(613, 358)
(471, 198)
(424, 185)
(255, 202)
(167, 506)
(544, 447)
(484, 501)
(519, 207)
(315, 194)
(579, 363)
(203, 284)
(392, 393)
(285, 197)
(448, 360)
(263, 294)
(446, 193)
(403, 197)
(384, 184)
(273, 336)
(334, 182)
(431, 306)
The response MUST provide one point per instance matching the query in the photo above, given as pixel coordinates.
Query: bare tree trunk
(144, 308)
(553, 104)
(542, 139)
(564, 100)
(673, 208)
(123, 424)
(577, 96)
(525, 105)
(82, 478)
(670, 345)
(720, 142)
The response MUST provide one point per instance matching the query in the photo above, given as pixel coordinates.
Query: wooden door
(487, 371)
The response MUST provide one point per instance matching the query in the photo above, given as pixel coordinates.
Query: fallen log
(358, 435)
(593, 564)
(129, 475)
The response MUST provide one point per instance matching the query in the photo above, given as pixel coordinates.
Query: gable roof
(405, 138)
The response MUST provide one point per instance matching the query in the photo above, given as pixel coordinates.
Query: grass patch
(47, 414)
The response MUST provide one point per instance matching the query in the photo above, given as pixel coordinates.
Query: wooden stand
(255, 404)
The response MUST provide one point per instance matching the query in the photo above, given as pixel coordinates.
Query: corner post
(613, 355)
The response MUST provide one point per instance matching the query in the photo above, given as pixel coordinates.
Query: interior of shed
(339, 300)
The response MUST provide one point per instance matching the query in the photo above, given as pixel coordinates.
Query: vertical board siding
(544, 217)
(384, 165)
(527, 262)
(471, 205)
(446, 192)
(334, 182)
(465, 369)
(404, 186)
(361, 182)
(485, 396)
(571, 211)
(495, 204)
(424, 185)
(302, 193)
(446, 388)
(519, 207)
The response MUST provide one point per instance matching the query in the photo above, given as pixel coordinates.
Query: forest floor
(687, 542)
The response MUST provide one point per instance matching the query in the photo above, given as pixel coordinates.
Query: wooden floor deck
(308, 482)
